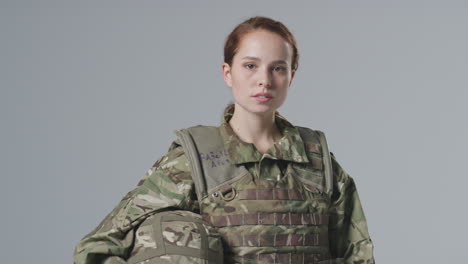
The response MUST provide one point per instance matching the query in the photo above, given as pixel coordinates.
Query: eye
(279, 68)
(249, 66)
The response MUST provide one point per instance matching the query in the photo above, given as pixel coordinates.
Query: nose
(264, 78)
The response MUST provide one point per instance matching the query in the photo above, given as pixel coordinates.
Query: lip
(263, 94)
(267, 97)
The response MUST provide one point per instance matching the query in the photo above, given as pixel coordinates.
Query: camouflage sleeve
(349, 236)
(167, 185)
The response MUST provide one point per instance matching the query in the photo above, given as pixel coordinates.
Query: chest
(270, 187)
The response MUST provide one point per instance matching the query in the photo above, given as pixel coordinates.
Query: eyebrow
(258, 59)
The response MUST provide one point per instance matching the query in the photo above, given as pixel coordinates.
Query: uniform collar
(290, 147)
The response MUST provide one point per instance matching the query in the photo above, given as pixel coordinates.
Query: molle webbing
(270, 194)
(286, 258)
(267, 219)
(277, 240)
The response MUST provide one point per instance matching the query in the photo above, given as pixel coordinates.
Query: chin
(259, 109)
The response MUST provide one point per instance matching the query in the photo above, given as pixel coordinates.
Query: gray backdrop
(91, 92)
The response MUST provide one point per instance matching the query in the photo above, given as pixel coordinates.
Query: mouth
(262, 97)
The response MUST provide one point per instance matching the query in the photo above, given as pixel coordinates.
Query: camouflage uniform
(168, 185)
(176, 236)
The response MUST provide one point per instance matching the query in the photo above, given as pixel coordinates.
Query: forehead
(264, 45)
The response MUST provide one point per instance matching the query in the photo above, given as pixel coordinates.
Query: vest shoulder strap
(210, 163)
(314, 137)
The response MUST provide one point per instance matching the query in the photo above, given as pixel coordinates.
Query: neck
(259, 129)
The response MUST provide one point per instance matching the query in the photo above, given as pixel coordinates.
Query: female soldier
(271, 189)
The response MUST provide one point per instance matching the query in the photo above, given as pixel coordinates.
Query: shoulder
(314, 140)
(172, 166)
(309, 134)
(175, 152)
(167, 183)
(342, 181)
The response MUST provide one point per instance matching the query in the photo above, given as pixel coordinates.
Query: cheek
(241, 84)
(283, 90)
(238, 92)
(242, 76)
(282, 79)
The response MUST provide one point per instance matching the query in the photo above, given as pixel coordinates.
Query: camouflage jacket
(168, 185)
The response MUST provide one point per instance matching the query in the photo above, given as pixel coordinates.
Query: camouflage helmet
(176, 237)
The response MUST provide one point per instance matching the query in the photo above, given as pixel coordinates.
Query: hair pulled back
(231, 45)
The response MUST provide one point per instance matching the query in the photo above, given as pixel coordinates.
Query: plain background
(91, 92)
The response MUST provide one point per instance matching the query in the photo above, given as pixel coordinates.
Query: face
(260, 74)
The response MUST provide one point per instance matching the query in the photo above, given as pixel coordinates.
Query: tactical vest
(263, 225)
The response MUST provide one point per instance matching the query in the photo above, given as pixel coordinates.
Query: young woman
(272, 190)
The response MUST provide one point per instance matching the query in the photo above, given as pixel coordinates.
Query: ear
(226, 69)
(292, 77)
